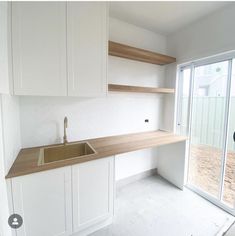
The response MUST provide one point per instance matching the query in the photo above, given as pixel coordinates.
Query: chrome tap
(65, 127)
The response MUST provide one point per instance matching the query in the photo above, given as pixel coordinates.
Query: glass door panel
(207, 127)
(229, 175)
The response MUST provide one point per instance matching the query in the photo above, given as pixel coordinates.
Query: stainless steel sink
(64, 152)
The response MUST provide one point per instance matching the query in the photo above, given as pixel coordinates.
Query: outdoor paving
(205, 169)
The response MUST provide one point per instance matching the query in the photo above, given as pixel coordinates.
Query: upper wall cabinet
(39, 48)
(40, 59)
(4, 65)
(87, 48)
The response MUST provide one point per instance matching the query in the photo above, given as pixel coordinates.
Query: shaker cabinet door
(87, 49)
(44, 201)
(39, 48)
(92, 192)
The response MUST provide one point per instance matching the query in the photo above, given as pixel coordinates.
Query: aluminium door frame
(229, 56)
(189, 107)
(225, 133)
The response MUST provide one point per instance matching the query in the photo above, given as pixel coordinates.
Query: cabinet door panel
(39, 48)
(87, 49)
(92, 192)
(44, 201)
(4, 72)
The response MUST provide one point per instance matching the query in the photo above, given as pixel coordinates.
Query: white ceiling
(162, 17)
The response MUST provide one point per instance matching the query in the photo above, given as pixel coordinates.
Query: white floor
(231, 231)
(154, 207)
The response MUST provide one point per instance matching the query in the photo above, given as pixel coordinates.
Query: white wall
(10, 145)
(119, 113)
(168, 113)
(209, 36)
(11, 129)
(135, 36)
(146, 160)
(3, 195)
(42, 118)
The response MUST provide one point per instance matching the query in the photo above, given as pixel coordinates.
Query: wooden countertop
(27, 159)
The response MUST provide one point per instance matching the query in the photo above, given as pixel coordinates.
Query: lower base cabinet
(92, 193)
(44, 200)
(72, 200)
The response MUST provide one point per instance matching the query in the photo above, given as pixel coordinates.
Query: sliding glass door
(207, 127)
(206, 114)
(228, 191)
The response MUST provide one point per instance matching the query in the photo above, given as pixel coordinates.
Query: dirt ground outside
(205, 169)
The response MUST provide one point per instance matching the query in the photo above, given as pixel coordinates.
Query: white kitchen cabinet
(70, 200)
(4, 44)
(39, 48)
(93, 183)
(44, 201)
(87, 48)
(44, 48)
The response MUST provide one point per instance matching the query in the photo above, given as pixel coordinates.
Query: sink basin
(64, 152)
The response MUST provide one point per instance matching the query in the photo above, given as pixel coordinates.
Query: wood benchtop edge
(27, 159)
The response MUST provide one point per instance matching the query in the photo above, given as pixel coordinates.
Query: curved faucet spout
(65, 127)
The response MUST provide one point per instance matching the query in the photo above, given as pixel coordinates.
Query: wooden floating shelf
(137, 54)
(138, 89)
